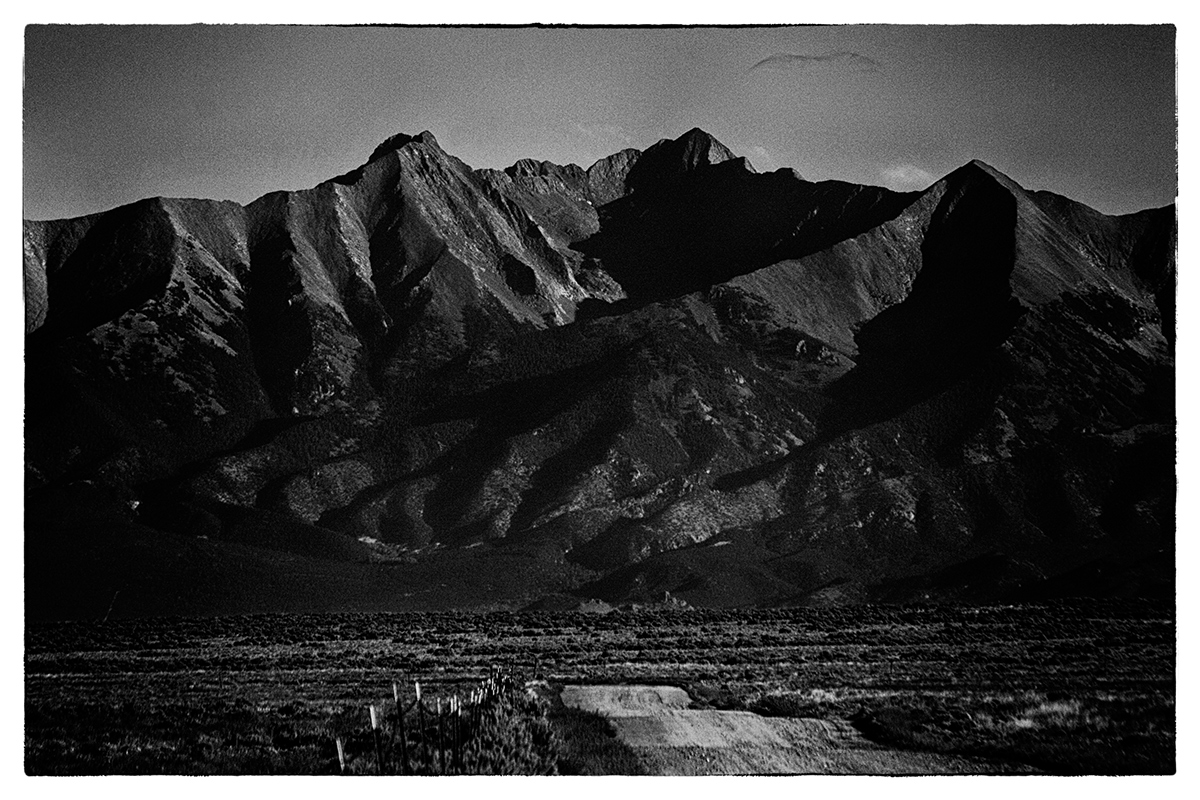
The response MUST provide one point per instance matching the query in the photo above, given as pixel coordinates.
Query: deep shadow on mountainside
(665, 377)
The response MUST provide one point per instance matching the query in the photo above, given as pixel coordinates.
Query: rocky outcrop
(664, 373)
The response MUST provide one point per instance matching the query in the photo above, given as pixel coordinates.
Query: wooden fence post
(421, 720)
(441, 737)
(400, 730)
(378, 737)
(456, 715)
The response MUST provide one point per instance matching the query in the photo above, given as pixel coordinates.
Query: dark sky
(113, 114)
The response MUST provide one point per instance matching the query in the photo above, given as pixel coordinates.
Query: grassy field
(1069, 688)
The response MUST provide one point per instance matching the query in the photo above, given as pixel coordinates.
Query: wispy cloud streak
(906, 177)
(793, 61)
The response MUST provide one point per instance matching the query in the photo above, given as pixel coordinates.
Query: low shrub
(588, 745)
(1098, 735)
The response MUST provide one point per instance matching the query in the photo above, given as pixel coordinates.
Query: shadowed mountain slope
(419, 385)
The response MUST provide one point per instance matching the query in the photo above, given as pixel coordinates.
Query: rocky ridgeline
(664, 373)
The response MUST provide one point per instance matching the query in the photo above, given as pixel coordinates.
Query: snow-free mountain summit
(419, 385)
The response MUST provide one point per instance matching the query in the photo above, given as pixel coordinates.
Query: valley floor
(1086, 687)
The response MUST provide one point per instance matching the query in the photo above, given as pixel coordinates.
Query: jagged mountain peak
(979, 170)
(694, 150)
(604, 368)
(699, 146)
(1061, 246)
(398, 140)
(530, 167)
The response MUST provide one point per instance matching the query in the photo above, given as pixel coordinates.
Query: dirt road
(672, 739)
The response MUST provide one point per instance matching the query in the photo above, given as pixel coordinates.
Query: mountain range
(663, 378)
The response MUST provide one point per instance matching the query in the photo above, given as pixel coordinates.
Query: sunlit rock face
(665, 373)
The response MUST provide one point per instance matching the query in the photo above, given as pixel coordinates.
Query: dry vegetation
(1069, 688)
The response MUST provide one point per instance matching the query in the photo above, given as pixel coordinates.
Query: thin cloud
(793, 61)
(762, 159)
(906, 178)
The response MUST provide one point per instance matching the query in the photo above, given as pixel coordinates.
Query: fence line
(442, 731)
